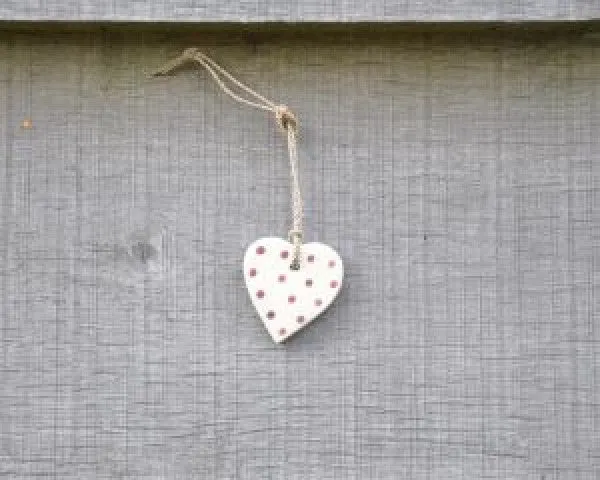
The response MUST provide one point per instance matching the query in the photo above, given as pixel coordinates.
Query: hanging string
(284, 117)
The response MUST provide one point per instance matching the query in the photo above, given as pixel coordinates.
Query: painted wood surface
(301, 11)
(456, 174)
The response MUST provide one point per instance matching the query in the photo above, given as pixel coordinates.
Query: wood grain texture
(457, 176)
(301, 11)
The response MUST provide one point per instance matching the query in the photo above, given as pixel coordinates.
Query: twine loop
(284, 117)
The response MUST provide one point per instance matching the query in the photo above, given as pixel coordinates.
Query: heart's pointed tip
(278, 339)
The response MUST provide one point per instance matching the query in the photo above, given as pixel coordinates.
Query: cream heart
(287, 300)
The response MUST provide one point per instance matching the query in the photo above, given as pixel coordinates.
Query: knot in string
(284, 117)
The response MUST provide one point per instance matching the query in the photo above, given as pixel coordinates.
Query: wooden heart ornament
(287, 300)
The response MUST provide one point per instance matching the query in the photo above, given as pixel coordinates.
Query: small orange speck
(27, 123)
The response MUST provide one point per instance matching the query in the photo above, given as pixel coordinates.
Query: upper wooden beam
(299, 11)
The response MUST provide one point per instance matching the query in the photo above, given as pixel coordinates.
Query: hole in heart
(260, 294)
(270, 314)
(309, 282)
(284, 254)
(300, 319)
(318, 302)
(291, 299)
(331, 263)
(261, 250)
(311, 258)
(252, 272)
(333, 284)
(282, 331)
(281, 278)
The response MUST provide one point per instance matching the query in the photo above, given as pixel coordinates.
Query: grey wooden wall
(456, 173)
(300, 11)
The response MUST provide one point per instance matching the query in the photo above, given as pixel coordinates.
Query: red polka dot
(260, 250)
(300, 319)
(252, 272)
(260, 294)
(282, 331)
(311, 258)
(291, 299)
(331, 263)
(318, 302)
(284, 254)
(281, 278)
(333, 284)
(270, 314)
(309, 282)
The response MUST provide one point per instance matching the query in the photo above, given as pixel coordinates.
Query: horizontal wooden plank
(345, 11)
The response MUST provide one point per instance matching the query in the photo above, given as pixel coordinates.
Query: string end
(187, 55)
